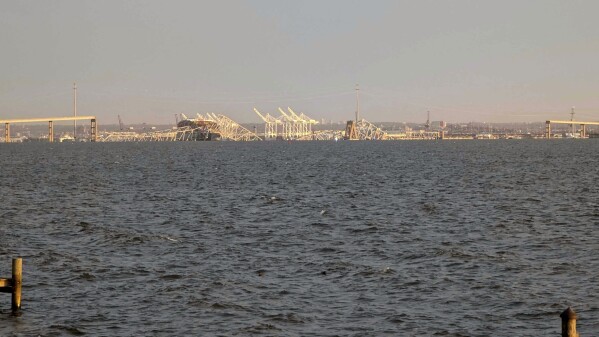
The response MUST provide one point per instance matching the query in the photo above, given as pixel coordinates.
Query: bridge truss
(204, 127)
(364, 130)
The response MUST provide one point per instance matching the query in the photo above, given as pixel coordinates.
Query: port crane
(270, 125)
(299, 124)
(290, 126)
(307, 122)
(122, 126)
(293, 125)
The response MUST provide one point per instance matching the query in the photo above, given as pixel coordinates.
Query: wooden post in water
(569, 323)
(13, 285)
(17, 281)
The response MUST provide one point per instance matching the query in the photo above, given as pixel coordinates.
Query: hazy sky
(147, 60)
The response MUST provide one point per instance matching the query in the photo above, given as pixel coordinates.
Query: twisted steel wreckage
(206, 127)
(287, 126)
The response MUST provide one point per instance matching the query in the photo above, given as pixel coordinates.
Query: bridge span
(50, 120)
(583, 130)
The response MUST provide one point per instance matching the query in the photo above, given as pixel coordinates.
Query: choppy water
(467, 238)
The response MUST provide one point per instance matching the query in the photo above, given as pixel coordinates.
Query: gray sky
(494, 61)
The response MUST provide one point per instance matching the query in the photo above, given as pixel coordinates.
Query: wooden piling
(569, 323)
(17, 281)
(13, 285)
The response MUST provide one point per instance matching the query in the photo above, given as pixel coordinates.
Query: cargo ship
(200, 129)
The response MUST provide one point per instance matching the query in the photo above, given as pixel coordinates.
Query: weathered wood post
(13, 285)
(569, 323)
(17, 281)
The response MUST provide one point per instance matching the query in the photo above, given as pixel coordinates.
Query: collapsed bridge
(206, 127)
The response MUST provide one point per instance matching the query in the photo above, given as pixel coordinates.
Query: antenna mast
(428, 120)
(357, 103)
(572, 119)
(74, 110)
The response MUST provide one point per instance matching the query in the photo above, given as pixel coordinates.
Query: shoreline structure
(290, 125)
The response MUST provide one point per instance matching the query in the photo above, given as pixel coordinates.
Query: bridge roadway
(50, 120)
(583, 130)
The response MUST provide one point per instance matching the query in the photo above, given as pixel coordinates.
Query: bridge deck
(571, 122)
(46, 119)
(50, 121)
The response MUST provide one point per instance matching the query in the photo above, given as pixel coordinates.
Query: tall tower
(357, 103)
(572, 119)
(75, 110)
(428, 120)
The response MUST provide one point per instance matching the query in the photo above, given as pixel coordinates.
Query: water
(448, 238)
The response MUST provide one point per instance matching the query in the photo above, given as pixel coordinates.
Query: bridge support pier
(51, 131)
(7, 132)
(94, 130)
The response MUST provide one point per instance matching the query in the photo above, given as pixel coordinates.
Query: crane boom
(293, 114)
(260, 115)
(284, 114)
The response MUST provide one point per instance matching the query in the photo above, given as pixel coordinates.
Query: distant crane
(307, 122)
(270, 124)
(122, 125)
(357, 103)
(291, 126)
